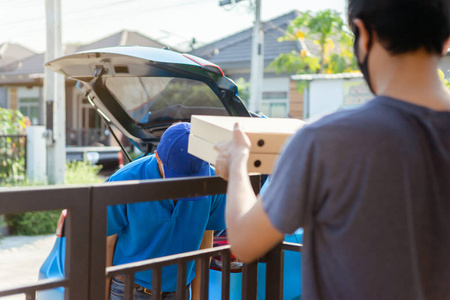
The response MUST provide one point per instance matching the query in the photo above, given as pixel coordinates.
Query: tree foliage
(244, 90)
(327, 30)
(444, 80)
(11, 122)
(12, 147)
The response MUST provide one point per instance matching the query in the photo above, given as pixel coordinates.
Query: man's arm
(207, 242)
(250, 232)
(110, 247)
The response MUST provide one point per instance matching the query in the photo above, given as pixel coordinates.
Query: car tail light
(205, 64)
(216, 261)
(120, 157)
(60, 226)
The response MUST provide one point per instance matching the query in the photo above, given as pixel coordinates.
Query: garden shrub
(44, 222)
(12, 150)
(82, 172)
(33, 223)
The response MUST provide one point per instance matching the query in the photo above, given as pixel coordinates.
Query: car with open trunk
(142, 91)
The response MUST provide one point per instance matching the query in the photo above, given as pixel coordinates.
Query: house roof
(27, 66)
(122, 38)
(10, 53)
(234, 51)
(33, 66)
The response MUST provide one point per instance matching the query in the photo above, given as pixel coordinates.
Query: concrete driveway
(20, 260)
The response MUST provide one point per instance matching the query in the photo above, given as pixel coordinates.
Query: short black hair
(404, 25)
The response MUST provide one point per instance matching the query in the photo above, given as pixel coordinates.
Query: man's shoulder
(137, 169)
(352, 115)
(370, 119)
(352, 132)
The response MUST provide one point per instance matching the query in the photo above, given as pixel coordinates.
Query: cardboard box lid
(266, 135)
(257, 162)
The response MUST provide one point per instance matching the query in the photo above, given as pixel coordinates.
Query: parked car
(142, 91)
(109, 157)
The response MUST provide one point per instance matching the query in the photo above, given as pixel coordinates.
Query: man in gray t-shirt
(370, 186)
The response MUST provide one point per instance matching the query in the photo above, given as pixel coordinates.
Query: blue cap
(172, 152)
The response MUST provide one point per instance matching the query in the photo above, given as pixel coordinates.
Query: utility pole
(54, 97)
(257, 63)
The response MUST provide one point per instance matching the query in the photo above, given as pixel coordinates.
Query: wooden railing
(85, 268)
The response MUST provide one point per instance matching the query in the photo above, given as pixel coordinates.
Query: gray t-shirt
(371, 188)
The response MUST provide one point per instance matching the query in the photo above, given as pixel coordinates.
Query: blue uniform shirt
(159, 228)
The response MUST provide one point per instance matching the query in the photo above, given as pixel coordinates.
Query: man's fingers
(228, 151)
(239, 136)
(237, 130)
(218, 146)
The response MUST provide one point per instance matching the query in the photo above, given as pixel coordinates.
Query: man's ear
(446, 45)
(363, 40)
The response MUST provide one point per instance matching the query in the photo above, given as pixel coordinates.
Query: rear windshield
(142, 97)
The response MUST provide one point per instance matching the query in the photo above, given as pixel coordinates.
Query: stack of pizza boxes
(267, 137)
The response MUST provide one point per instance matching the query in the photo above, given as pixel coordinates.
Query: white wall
(24, 92)
(325, 96)
(329, 95)
(36, 154)
(277, 105)
(276, 84)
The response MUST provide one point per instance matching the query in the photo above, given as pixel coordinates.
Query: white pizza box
(267, 135)
(257, 162)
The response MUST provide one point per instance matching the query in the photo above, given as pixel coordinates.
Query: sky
(172, 22)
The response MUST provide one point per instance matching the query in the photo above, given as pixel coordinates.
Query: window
(148, 98)
(275, 104)
(29, 107)
(274, 95)
(274, 110)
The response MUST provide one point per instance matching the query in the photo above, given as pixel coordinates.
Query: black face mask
(364, 66)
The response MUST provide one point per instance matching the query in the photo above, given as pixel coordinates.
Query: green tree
(244, 90)
(11, 122)
(444, 80)
(12, 150)
(322, 28)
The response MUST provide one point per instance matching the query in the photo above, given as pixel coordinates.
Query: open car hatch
(143, 90)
